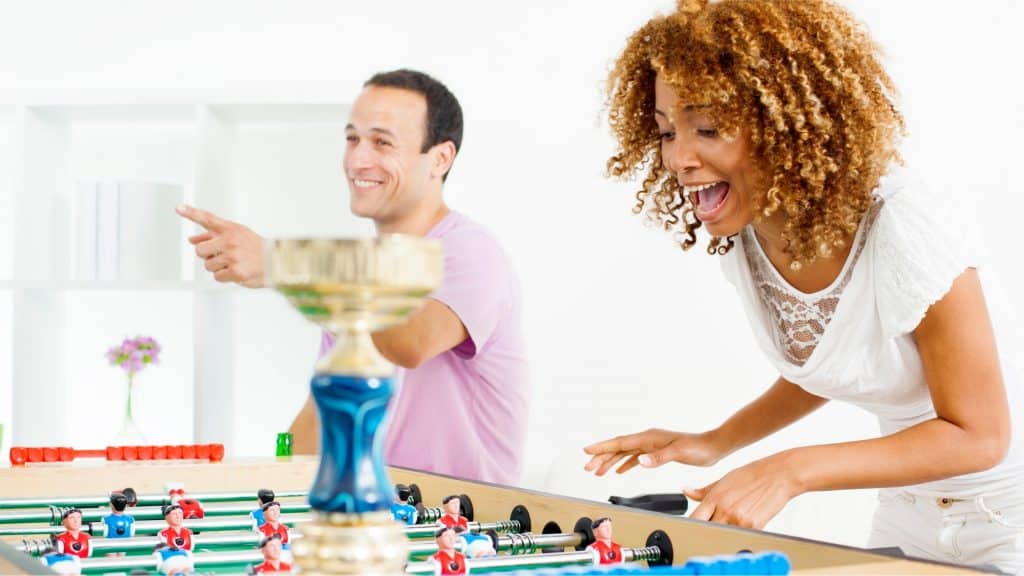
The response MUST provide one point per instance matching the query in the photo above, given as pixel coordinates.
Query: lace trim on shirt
(799, 320)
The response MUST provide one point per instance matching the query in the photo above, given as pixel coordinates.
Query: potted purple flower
(132, 355)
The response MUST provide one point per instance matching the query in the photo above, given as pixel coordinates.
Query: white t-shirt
(853, 341)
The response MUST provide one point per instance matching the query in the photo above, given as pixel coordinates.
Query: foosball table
(529, 527)
(345, 512)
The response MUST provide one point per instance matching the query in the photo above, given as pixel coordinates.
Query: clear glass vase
(130, 433)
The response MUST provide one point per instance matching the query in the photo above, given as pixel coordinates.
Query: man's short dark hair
(265, 495)
(444, 114)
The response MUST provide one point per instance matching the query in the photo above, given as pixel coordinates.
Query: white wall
(625, 332)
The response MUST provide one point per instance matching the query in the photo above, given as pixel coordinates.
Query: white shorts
(977, 531)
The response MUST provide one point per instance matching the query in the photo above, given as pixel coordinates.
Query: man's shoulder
(465, 233)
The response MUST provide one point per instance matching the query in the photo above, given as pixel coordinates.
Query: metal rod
(153, 526)
(204, 560)
(514, 544)
(144, 499)
(53, 515)
(147, 543)
(554, 560)
(427, 530)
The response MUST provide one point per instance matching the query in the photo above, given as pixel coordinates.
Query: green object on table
(284, 444)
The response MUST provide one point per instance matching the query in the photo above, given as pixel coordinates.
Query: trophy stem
(353, 532)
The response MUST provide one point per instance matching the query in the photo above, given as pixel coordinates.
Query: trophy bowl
(353, 287)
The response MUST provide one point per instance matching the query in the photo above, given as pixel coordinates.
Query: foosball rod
(213, 559)
(552, 560)
(427, 530)
(515, 544)
(149, 562)
(525, 543)
(143, 499)
(42, 546)
(149, 527)
(54, 514)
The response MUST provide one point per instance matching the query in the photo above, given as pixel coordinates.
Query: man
(462, 354)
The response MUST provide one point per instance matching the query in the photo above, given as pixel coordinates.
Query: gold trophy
(352, 288)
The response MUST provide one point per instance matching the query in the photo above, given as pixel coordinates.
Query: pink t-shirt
(463, 413)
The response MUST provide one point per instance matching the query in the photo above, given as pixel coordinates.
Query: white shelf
(116, 286)
(276, 167)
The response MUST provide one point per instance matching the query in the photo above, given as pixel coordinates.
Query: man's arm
(430, 331)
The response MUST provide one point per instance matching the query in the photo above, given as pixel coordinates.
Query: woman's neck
(807, 278)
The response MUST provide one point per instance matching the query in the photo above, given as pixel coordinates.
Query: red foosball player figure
(72, 540)
(272, 563)
(272, 522)
(451, 518)
(450, 560)
(176, 535)
(608, 552)
(191, 509)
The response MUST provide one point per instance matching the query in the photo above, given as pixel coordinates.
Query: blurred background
(113, 111)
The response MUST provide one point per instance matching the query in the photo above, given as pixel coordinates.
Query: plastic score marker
(21, 455)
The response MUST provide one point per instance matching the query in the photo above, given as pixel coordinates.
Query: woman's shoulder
(918, 245)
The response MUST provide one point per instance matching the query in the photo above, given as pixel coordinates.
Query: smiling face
(715, 171)
(604, 531)
(388, 173)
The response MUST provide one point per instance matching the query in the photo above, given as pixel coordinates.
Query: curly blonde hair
(802, 76)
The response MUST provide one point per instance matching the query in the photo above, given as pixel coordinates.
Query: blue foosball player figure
(173, 561)
(401, 510)
(474, 545)
(62, 563)
(263, 496)
(118, 524)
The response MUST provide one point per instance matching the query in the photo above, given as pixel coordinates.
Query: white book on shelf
(150, 231)
(108, 230)
(85, 232)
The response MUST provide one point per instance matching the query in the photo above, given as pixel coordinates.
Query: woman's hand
(651, 449)
(749, 496)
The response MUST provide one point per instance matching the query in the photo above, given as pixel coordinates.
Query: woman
(773, 126)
